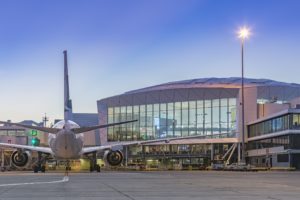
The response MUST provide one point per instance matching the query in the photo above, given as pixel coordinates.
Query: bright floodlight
(244, 33)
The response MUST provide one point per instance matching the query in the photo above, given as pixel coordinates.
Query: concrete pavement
(182, 185)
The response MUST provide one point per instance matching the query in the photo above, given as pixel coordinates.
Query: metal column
(2, 158)
(212, 153)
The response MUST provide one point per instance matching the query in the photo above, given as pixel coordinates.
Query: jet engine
(20, 158)
(113, 158)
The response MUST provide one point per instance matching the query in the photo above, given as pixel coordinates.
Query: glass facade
(270, 142)
(288, 142)
(175, 156)
(176, 149)
(281, 123)
(13, 132)
(211, 118)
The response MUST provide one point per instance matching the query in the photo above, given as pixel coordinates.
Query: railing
(171, 154)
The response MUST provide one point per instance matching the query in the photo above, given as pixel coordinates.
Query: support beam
(231, 153)
(2, 158)
(126, 156)
(239, 153)
(212, 153)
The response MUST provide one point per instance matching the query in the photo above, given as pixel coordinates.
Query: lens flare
(244, 33)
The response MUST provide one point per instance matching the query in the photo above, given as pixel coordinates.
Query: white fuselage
(66, 144)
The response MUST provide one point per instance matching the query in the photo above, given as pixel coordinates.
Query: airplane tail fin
(67, 100)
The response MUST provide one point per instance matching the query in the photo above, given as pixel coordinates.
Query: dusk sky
(115, 46)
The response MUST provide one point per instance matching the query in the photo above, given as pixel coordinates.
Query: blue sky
(115, 46)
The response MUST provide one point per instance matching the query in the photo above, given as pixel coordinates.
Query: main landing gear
(40, 164)
(93, 163)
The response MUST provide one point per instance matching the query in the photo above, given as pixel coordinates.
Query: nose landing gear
(68, 168)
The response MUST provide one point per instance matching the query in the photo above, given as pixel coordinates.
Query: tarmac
(175, 185)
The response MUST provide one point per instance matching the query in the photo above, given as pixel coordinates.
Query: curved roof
(231, 82)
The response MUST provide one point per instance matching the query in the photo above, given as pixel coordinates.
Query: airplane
(65, 140)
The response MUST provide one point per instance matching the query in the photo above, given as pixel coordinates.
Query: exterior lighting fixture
(243, 33)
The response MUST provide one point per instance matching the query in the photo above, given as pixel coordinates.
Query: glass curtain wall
(232, 109)
(13, 133)
(177, 119)
(136, 125)
(211, 118)
(277, 124)
(170, 120)
(192, 122)
(185, 118)
(200, 117)
(207, 117)
(150, 122)
(142, 121)
(163, 121)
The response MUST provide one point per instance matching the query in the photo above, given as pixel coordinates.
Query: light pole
(45, 119)
(243, 34)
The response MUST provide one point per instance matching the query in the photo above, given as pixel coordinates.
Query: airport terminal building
(211, 109)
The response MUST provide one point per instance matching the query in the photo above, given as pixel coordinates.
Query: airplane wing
(44, 129)
(27, 147)
(119, 145)
(114, 147)
(90, 128)
(86, 150)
